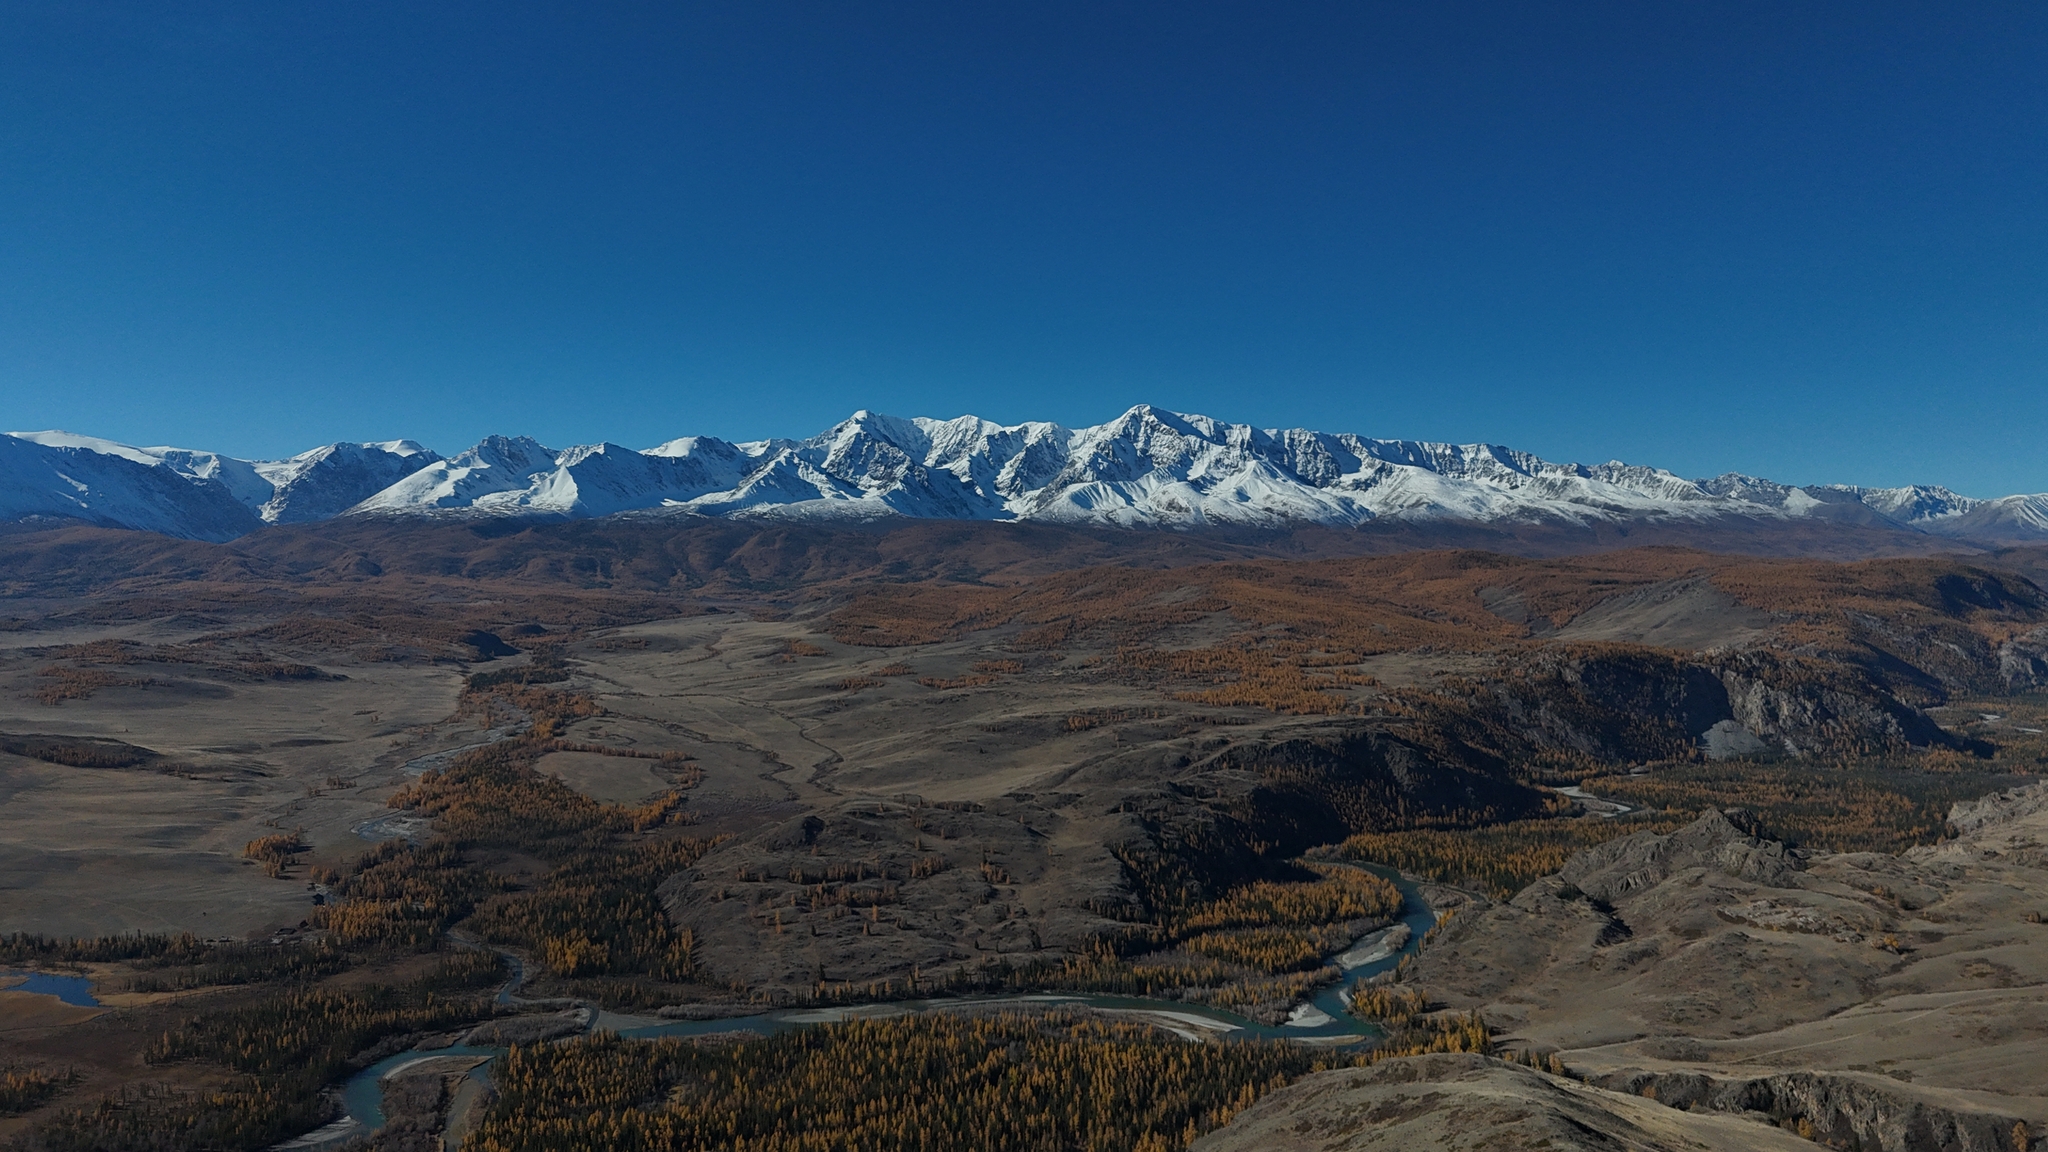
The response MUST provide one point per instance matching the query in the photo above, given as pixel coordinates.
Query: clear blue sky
(1803, 240)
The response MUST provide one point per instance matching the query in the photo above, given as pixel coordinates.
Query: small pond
(70, 989)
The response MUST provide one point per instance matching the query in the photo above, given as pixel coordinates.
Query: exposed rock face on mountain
(1852, 1111)
(1636, 706)
(2023, 661)
(1456, 1103)
(1147, 467)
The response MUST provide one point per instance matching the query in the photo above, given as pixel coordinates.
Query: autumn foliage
(926, 1082)
(24, 1088)
(274, 852)
(1500, 859)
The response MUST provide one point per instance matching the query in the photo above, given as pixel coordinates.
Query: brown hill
(659, 553)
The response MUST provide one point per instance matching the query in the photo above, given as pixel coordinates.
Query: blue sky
(1807, 241)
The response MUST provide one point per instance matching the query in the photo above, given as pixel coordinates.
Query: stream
(1595, 805)
(1320, 1020)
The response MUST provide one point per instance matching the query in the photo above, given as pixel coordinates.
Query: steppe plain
(1052, 727)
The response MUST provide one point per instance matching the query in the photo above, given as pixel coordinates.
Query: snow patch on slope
(55, 475)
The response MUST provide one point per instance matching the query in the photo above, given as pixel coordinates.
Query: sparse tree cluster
(24, 1088)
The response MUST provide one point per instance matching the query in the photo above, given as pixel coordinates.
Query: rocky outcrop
(1475, 1102)
(1610, 705)
(1839, 1110)
(1467, 1103)
(1613, 870)
(1783, 705)
(2023, 661)
(1967, 816)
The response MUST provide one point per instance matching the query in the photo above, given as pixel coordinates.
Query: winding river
(1320, 1020)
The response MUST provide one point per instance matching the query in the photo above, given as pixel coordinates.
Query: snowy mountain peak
(697, 445)
(313, 485)
(1912, 504)
(1147, 466)
(57, 438)
(329, 480)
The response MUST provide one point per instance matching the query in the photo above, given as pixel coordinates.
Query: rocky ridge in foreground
(1712, 988)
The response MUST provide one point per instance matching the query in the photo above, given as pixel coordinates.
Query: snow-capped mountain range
(1148, 467)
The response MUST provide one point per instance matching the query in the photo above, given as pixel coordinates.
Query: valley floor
(1123, 782)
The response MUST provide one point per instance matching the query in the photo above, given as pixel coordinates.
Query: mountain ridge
(1149, 467)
